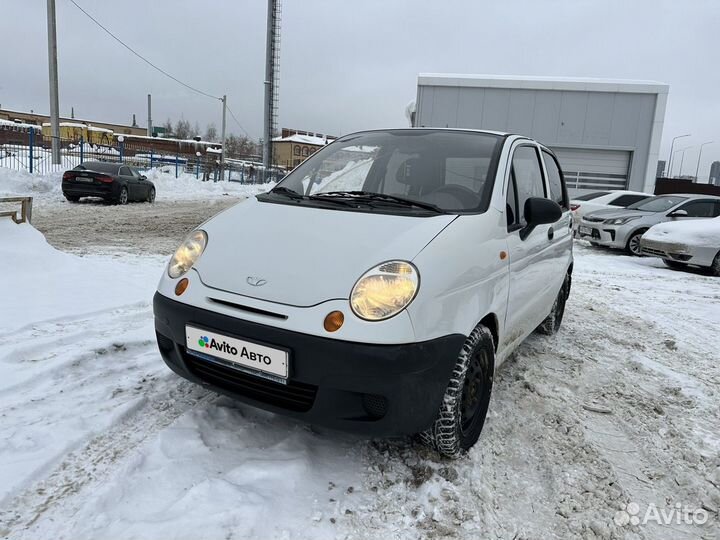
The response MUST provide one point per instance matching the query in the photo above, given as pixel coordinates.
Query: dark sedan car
(114, 182)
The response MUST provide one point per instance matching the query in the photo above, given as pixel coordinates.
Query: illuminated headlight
(620, 221)
(187, 254)
(384, 291)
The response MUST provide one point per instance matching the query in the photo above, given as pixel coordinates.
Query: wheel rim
(152, 195)
(123, 196)
(635, 244)
(474, 390)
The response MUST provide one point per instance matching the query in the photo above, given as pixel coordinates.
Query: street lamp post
(669, 167)
(697, 169)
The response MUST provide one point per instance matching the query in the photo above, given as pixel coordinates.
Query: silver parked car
(624, 227)
(681, 244)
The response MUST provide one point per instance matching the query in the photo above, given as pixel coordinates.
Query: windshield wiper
(369, 196)
(291, 193)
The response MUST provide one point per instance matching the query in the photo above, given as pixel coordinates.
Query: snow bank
(695, 232)
(42, 283)
(168, 188)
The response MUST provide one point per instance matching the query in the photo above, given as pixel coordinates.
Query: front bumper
(375, 390)
(614, 236)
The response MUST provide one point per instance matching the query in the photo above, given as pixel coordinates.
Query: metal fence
(27, 148)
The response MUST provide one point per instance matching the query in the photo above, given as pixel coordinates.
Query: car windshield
(657, 204)
(591, 196)
(405, 170)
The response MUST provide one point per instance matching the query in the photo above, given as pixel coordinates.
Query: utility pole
(149, 128)
(670, 159)
(222, 139)
(272, 59)
(54, 101)
(697, 169)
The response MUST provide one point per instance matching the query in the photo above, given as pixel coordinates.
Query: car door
(561, 236)
(532, 279)
(129, 179)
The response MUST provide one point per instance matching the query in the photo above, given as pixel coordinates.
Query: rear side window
(627, 200)
(555, 181)
(124, 171)
(526, 175)
(591, 196)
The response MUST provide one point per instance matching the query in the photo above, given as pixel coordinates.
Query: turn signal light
(333, 321)
(181, 286)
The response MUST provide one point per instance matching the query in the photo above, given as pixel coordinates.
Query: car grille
(591, 219)
(654, 252)
(293, 396)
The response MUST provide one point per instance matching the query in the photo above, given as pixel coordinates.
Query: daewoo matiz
(379, 285)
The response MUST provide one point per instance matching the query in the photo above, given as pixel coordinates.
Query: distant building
(40, 119)
(660, 169)
(606, 133)
(294, 146)
(715, 173)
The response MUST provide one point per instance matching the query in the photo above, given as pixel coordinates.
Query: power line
(232, 114)
(141, 57)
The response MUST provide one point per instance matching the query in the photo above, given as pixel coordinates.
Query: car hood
(615, 213)
(691, 232)
(302, 255)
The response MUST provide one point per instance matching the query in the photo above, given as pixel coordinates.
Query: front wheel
(464, 406)
(151, 196)
(633, 243)
(553, 321)
(715, 268)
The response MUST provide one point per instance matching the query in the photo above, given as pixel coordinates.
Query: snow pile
(184, 187)
(694, 232)
(349, 178)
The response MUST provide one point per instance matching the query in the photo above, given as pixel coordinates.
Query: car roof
(689, 195)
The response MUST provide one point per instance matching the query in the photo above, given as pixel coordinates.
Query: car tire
(463, 410)
(72, 198)
(632, 246)
(675, 265)
(151, 196)
(715, 268)
(552, 322)
(123, 197)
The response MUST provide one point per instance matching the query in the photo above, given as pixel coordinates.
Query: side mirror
(678, 213)
(539, 211)
(143, 177)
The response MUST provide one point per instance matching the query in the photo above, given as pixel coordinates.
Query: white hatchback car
(603, 200)
(379, 285)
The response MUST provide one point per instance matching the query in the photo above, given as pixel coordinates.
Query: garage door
(594, 169)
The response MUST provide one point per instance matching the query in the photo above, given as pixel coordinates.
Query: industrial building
(606, 133)
(40, 119)
(715, 173)
(293, 146)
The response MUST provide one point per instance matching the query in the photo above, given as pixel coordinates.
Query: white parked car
(685, 243)
(379, 285)
(603, 200)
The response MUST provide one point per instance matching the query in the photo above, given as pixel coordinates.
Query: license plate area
(85, 179)
(254, 358)
(585, 230)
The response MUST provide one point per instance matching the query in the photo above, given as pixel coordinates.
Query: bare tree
(168, 127)
(182, 129)
(211, 133)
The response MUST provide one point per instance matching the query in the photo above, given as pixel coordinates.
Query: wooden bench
(25, 209)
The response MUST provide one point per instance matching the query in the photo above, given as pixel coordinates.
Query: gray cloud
(353, 65)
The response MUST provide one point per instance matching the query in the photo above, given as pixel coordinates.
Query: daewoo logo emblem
(256, 281)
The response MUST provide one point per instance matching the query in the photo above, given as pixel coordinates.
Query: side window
(511, 207)
(627, 200)
(700, 209)
(527, 174)
(124, 171)
(555, 181)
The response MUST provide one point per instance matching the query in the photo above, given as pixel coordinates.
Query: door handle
(551, 233)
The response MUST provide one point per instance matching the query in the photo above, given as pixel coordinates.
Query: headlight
(620, 221)
(384, 291)
(187, 254)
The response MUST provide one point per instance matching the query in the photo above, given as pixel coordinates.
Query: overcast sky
(349, 65)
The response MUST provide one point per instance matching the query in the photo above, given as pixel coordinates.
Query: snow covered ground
(99, 439)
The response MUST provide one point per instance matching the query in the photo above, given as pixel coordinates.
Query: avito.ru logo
(211, 343)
